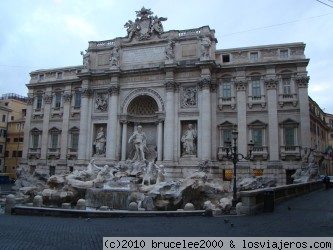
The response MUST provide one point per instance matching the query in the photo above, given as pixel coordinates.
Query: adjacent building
(187, 95)
(13, 137)
(4, 114)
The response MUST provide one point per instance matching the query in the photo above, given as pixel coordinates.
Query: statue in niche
(139, 140)
(188, 140)
(114, 59)
(86, 59)
(101, 102)
(205, 48)
(169, 51)
(189, 98)
(100, 142)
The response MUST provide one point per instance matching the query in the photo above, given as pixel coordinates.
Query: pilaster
(273, 129)
(241, 86)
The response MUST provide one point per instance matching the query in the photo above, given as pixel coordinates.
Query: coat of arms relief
(145, 25)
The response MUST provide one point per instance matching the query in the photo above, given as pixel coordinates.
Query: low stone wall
(253, 201)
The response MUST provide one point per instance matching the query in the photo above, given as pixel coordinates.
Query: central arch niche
(142, 106)
(142, 110)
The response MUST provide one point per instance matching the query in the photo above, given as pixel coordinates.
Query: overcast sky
(51, 33)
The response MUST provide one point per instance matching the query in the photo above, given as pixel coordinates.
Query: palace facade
(168, 82)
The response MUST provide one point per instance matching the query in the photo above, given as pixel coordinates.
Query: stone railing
(101, 44)
(294, 151)
(253, 201)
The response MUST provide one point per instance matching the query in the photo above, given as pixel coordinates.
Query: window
(8, 139)
(77, 99)
(75, 141)
(4, 133)
(286, 86)
(19, 153)
(35, 140)
(39, 101)
(289, 136)
(14, 154)
(59, 75)
(226, 58)
(226, 90)
(12, 118)
(52, 170)
(256, 89)
(21, 139)
(257, 137)
(41, 77)
(332, 135)
(57, 101)
(227, 174)
(7, 154)
(226, 135)
(1, 148)
(254, 56)
(24, 112)
(54, 140)
(3, 118)
(258, 172)
(18, 126)
(284, 53)
(16, 139)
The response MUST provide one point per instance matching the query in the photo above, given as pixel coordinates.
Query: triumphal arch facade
(173, 96)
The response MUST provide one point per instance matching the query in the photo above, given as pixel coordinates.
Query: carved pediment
(257, 123)
(227, 124)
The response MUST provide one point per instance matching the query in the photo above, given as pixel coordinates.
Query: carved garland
(30, 101)
(271, 83)
(240, 85)
(113, 90)
(302, 81)
(87, 92)
(67, 97)
(48, 99)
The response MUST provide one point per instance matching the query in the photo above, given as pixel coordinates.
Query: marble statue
(100, 142)
(205, 48)
(114, 59)
(169, 51)
(188, 139)
(138, 138)
(86, 59)
(156, 25)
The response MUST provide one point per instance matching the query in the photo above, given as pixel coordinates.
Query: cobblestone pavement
(308, 215)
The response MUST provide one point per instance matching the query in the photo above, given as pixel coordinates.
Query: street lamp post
(233, 155)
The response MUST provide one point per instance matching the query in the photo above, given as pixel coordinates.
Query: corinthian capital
(170, 85)
(87, 92)
(113, 90)
(205, 82)
(240, 85)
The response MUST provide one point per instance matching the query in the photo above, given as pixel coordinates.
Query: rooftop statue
(145, 25)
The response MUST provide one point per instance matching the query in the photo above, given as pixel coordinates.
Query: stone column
(67, 97)
(302, 82)
(124, 141)
(84, 119)
(169, 121)
(111, 142)
(206, 116)
(273, 129)
(46, 120)
(241, 116)
(27, 128)
(159, 140)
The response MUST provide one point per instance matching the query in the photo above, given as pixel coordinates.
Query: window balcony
(288, 98)
(72, 153)
(227, 101)
(259, 152)
(53, 153)
(291, 152)
(221, 152)
(34, 153)
(257, 100)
